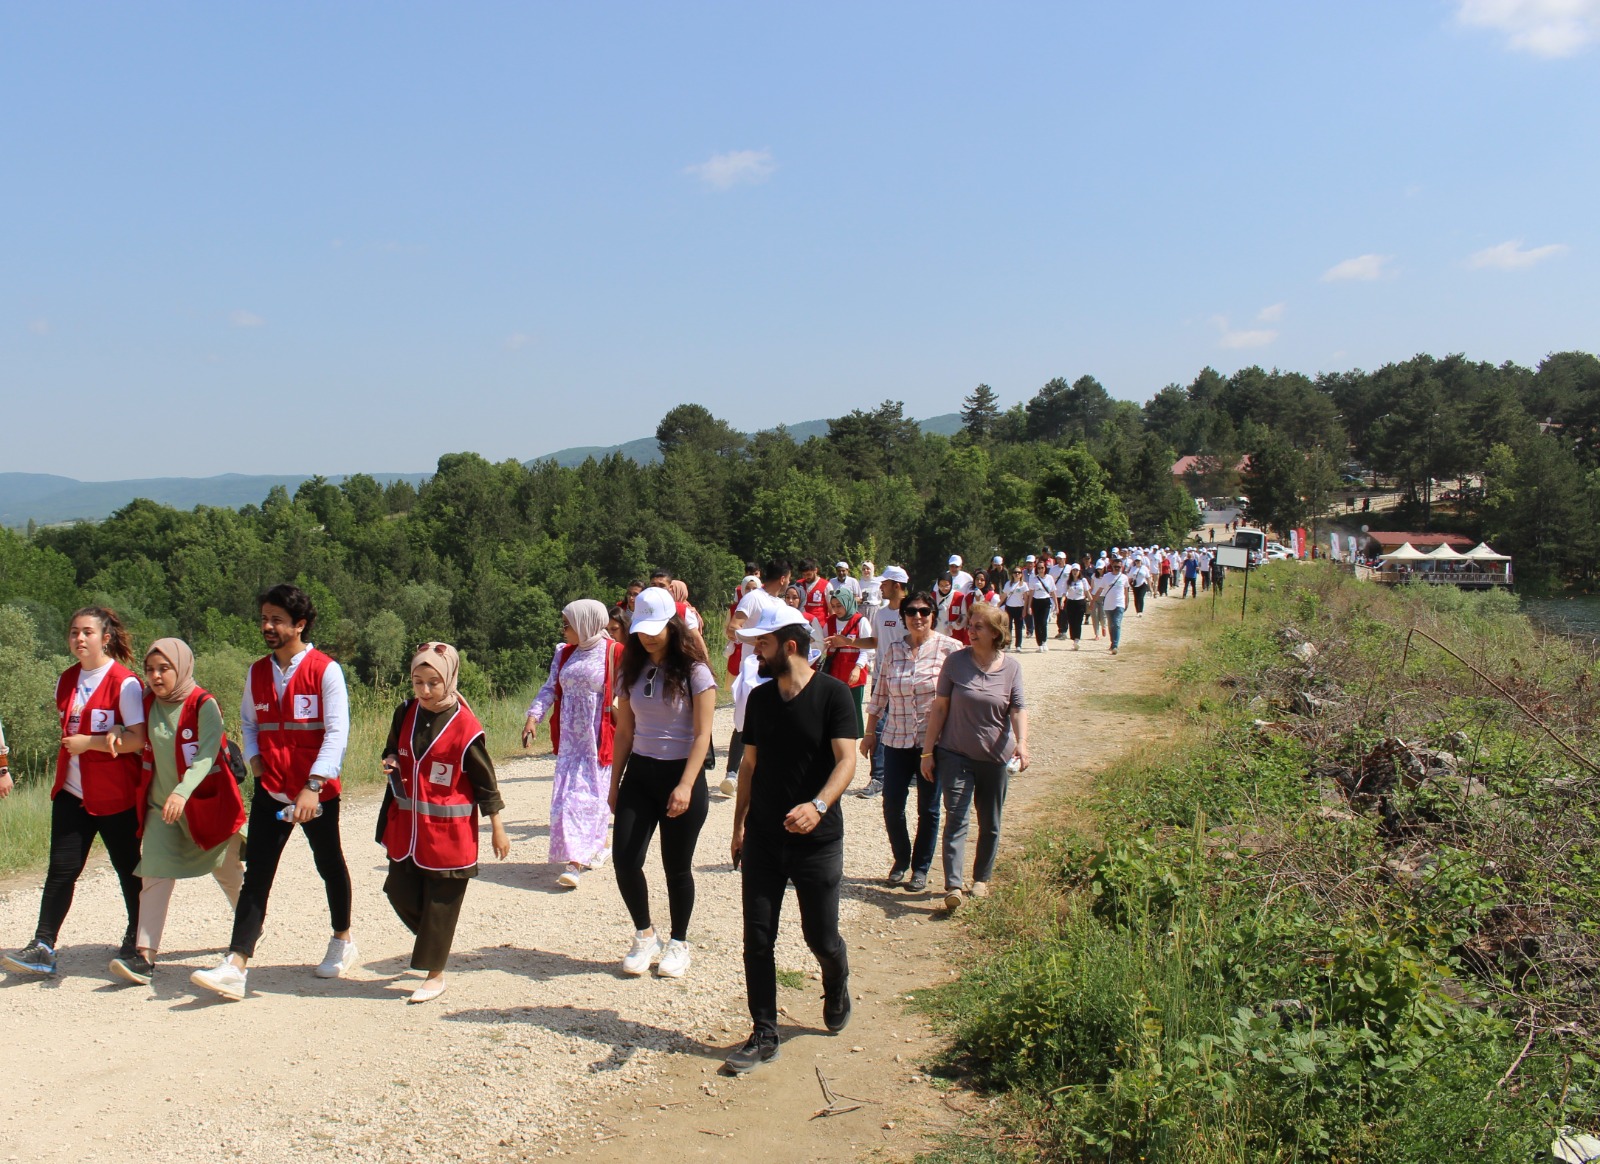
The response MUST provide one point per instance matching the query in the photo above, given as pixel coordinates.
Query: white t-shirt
(130, 702)
(1017, 593)
(1041, 586)
(888, 628)
(752, 604)
(1076, 589)
(960, 580)
(845, 583)
(1116, 590)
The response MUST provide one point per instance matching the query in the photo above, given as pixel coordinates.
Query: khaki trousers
(156, 896)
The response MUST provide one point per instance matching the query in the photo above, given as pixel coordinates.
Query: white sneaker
(600, 858)
(674, 960)
(729, 786)
(643, 951)
(227, 980)
(1041, 649)
(341, 955)
(570, 876)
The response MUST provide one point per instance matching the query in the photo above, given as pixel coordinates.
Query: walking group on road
(149, 768)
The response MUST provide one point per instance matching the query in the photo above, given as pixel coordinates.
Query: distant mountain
(644, 449)
(49, 499)
(46, 499)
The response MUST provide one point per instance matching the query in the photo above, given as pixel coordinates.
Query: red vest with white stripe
(215, 810)
(289, 730)
(109, 782)
(814, 599)
(433, 817)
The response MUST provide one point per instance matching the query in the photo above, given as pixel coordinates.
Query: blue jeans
(1114, 617)
(962, 781)
(902, 769)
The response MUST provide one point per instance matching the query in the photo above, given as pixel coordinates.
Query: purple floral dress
(579, 812)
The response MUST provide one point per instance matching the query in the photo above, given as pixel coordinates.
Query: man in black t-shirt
(799, 737)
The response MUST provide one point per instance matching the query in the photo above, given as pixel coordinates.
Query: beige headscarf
(589, 619)
(679, 589)
(446, 660)
(177, 653)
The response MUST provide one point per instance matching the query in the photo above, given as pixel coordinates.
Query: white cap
(896, 574)
(774, 618)
(1029, 559)
(841, 565)
(1061, 553)
(652, 610)
(997, 560)
(955, 559)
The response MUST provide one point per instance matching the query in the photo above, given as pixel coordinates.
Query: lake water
(1579, 614)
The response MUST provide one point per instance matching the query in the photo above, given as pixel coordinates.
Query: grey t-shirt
(663, 728)
(981, 703)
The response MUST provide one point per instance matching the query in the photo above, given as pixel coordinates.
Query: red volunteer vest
(433, 818)
(842, 662)
(814, 600)
(109, 782)
(289, 731)
(215, 810)
(608, 720)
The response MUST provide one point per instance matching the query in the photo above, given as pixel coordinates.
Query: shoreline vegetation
(1347, 911)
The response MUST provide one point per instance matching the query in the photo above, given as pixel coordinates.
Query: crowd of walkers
(821, 668)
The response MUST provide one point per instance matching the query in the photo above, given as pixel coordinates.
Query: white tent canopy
(1443, 553)
(1406, 553)
(1482, 553)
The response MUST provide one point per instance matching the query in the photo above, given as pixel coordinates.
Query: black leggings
(262, 851)
(72, 831)
(1138, 598)
(1019, 618)
(641, 807)
(1041, 619)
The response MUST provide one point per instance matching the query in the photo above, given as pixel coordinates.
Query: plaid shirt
(904, 689)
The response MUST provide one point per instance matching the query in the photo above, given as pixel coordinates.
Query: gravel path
(537, 1035)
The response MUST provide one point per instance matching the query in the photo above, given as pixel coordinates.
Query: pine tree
(980, 411)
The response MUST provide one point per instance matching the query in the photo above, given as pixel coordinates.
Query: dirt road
(539, 1047)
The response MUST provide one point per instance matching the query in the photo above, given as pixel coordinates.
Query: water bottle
(286, 813)
(1014, 765)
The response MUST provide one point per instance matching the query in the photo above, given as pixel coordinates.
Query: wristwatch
(821, 806)
(315, 784)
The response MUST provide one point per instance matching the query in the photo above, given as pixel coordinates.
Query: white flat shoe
(426, 993)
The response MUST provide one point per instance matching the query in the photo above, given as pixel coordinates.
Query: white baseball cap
(1029, 559)
(1061, 553)
(997, 560)
(773, 619)
(653, 609)
(955, 559)
(896, 574)
(841, 565)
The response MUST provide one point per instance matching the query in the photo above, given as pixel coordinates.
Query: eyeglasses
(650, 682)
(917, 612)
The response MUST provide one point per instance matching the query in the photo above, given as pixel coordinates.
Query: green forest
(485, 555)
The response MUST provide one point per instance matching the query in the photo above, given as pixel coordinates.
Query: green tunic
(169, 851)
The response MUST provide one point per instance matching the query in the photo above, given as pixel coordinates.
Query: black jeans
(1138, 598)
(262, 852)
(1019, 618)
(735, 752)
(1075, 609)
(1041, 620)
(902, 769)
(72, 832)
(769, 866)
(641, 807)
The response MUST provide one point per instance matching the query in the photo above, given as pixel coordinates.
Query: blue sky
(336, 237)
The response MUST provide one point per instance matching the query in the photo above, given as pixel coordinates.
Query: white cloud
(243, 318)
(1249, 338)
(1512, 256)
(735, 168)
(39, 326)
(1545, 28)
(1360, 267)
(1270, 314)
(518, 340)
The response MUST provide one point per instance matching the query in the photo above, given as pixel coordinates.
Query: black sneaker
(897, 875)
(136, 969)
(836, 1007)
(35, 958)
(918, 883)
(873, 788)
(756, 1051)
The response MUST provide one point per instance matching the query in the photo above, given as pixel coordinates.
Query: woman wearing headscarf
(190, 810)
(578, 697)
(439, 778)
(848, 665)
